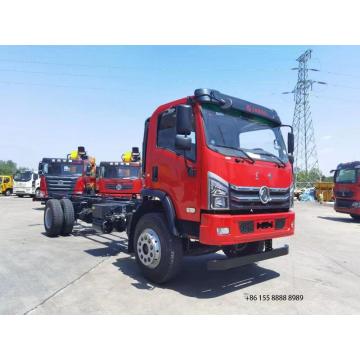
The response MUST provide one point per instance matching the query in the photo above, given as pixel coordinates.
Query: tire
(244, 249)
(158, 253)
(53, 218)
(37, 193)
(69, 217)
(7, 192)
(355, 217)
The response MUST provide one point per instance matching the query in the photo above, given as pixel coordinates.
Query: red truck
(347, 189)
(217, 176)
(121, 179)
(63, 177)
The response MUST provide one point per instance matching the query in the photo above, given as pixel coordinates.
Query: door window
(167, 132)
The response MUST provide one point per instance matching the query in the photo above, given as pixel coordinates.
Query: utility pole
(306, 166)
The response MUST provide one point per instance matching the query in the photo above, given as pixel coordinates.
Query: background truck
(6, 184)
(347, 189)
(62, 177)
(26, 183)
(217, 176)
(121, 179)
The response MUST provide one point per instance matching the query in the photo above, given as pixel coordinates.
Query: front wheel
(158, 253)
(244, 249)
(355, 217)
(7, 192)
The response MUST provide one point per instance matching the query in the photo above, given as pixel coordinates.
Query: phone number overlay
(281, 297)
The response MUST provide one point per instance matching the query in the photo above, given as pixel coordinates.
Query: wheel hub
(148, 248)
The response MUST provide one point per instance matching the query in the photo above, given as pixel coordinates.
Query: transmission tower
(306, 166)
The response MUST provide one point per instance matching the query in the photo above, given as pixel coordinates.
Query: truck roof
(117, 163)
(226, 101)
(349, 165)
(58, 160)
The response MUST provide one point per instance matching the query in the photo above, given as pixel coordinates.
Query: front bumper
(245, 260)
(245, 228)
(24, 191)
(347, 210)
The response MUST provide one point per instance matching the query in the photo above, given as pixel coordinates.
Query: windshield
(63, 169)
(23, 176)
(120, 172)
(230, 131)
(346, 176)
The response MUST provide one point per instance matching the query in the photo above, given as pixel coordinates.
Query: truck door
(175, 172)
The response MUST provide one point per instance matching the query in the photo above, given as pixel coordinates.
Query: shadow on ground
(193, 281)
(338, 219)
(196, 281)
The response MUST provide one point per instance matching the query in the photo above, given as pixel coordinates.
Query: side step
(248, 259)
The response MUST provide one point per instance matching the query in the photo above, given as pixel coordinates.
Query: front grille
(123, 186)
(343, 203)
(347, 194)
(60, 186)
(247, 198)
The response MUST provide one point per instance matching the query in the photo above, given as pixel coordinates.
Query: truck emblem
(118, 187)
(264, 194)
(60, 182)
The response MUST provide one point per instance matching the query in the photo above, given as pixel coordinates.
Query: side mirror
(40, 172)
(182, 142)
(183, 119)
(291, 141)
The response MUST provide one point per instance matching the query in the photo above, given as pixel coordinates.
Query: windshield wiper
(247, 157)
(273, 156)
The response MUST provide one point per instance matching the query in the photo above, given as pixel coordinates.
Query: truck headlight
(218, 190)
(356, 204)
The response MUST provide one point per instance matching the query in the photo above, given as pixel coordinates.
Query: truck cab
(347, 189)
(226, 170)
(120, 179)
(63, 177)
(6, 185)
(26, 182)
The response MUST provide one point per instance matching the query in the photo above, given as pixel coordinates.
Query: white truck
(26, 183)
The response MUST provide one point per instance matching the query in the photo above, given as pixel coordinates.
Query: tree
(308, 179)
(7, 167)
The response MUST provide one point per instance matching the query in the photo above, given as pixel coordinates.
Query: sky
(54, 98)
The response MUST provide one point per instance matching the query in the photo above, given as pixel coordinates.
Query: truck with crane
(347, 189)
(120, 179)
(62, 177)
(217, 177)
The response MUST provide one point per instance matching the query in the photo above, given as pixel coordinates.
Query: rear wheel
(53, 218)
(8, 192)
(69, 216)
(37, 193)
(244, 249)
(158, 253)
(355, 217)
